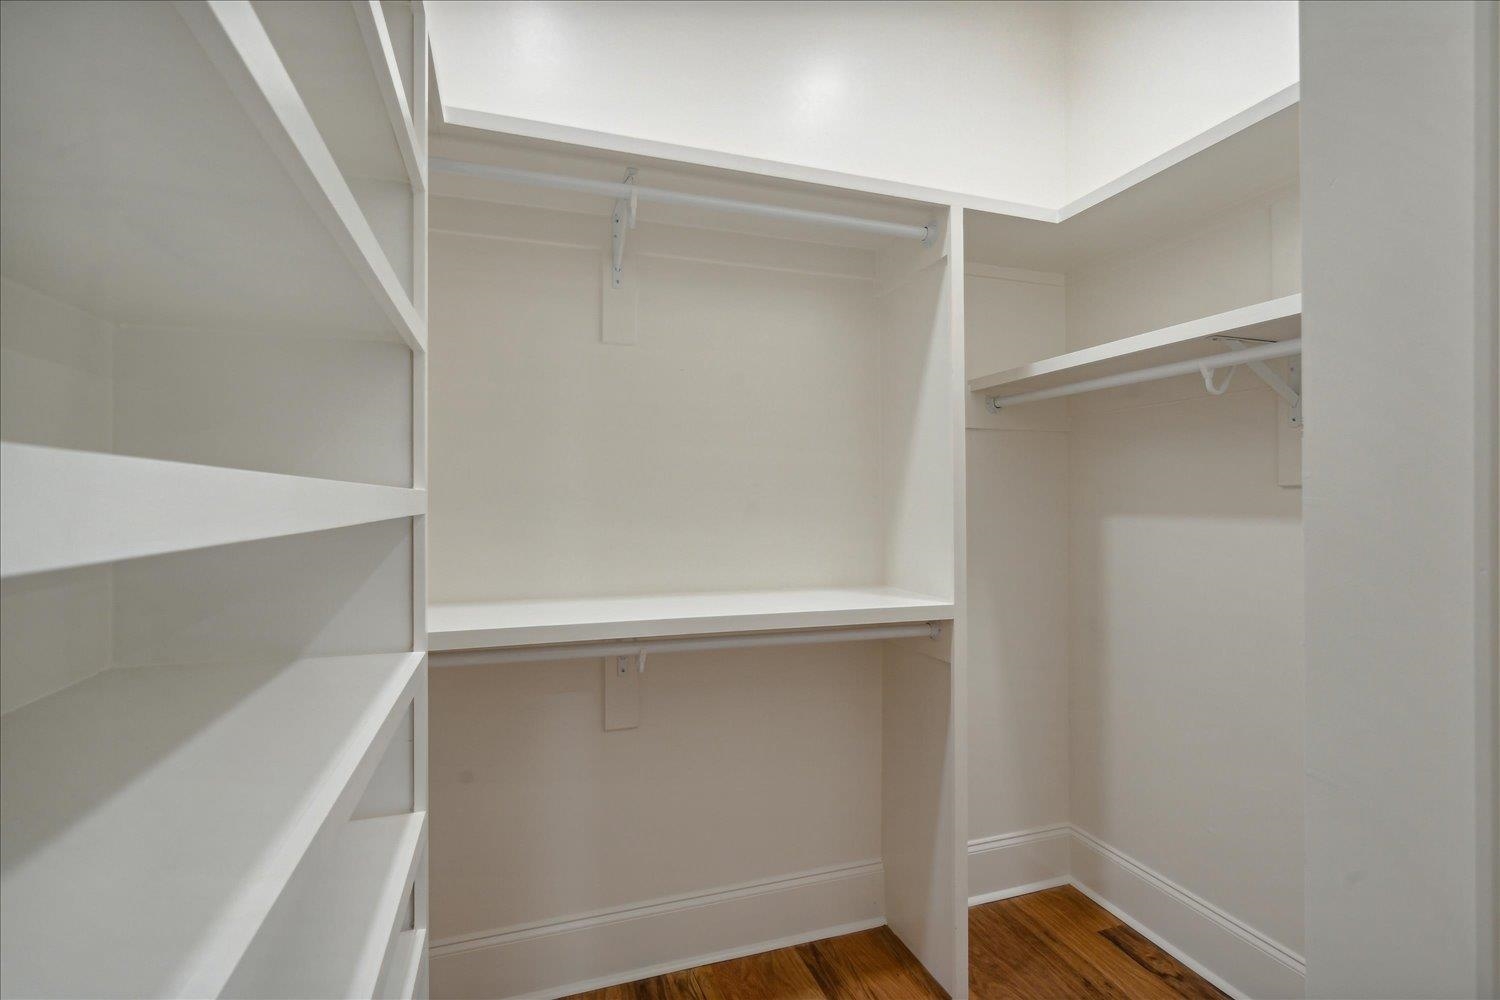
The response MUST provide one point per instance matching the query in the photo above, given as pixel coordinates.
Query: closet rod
(617, 190)
(1261, 352)
(583, 651)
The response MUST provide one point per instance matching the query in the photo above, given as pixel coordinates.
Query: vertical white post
(1399, 328)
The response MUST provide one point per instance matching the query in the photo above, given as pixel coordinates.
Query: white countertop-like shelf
(161, 170)
(336, 927)
(590, 619)
(1274, 320)
(153, 815)
(65, 508)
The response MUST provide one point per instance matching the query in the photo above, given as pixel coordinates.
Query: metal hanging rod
(616, 190)
(1247, 356)
(640, 649)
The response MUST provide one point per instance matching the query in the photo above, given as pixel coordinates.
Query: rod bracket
(1289, 391)
(992, 403)
(932, 234)
(622, 221)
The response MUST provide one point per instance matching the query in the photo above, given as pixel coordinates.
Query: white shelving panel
(336, 927)
(153, 815)
(1273, 320)
(533, 623)
(161, 170)
(404, 967)
(66, 508)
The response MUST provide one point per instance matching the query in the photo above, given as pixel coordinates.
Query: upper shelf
(161, 170)
(1251, 154)
(1274, 320)
(537, 623)
(152, 816)
(65, 508)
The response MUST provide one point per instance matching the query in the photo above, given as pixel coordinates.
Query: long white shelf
(1274, 320)
(334, 930)
(533, 623)
(161, 170)
(399, 981)
(152, 816)
(63, 508)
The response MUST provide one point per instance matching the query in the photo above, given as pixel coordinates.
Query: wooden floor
(1052, 944)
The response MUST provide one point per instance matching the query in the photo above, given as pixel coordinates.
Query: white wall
(1399, 169)
(865, 89)
(1143, 77)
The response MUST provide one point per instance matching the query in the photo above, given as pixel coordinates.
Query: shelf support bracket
(1292, 394)
(622, 222)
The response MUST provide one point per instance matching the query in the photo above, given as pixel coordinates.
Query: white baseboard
(1226, 951)
(587, 951)
(1014, 864)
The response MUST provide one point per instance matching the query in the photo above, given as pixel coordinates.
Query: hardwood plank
(771, 975)
(682, 985)
(869, 965)
(1184, 981)
(1071, 922)
(1010, 961)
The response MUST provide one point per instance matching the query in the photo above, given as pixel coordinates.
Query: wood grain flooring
(1052, 945)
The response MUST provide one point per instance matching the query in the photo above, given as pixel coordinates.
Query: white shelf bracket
(623, 221)
(1291, 393)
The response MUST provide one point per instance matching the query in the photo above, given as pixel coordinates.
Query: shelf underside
(66, 508)
(1274, 320)
(1257, 159)
(152, 815)
(551, 622)
(138, 188)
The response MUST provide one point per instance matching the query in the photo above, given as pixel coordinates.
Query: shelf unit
(123, 875)
(212, 349)
(1272, 321)
(335, 928)
(537, 623)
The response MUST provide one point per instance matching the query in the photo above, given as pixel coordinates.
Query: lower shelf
(151, 817)
(404, 967)
(331, 932)
(534, 623)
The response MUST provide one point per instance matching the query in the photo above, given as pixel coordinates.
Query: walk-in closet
(741, 501)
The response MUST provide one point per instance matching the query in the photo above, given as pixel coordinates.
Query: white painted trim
(663, 968)
(540, 959)
(978, 270)
(1019, 837)
(1268, 946)
(650, 908)
(1019, 890)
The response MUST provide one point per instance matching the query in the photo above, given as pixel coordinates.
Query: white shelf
(161, 170)
(1274, 320)
(534, 623)
(153, 815)
(1242, 158)
(400, 979)
(331, 933)
(65, 508)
